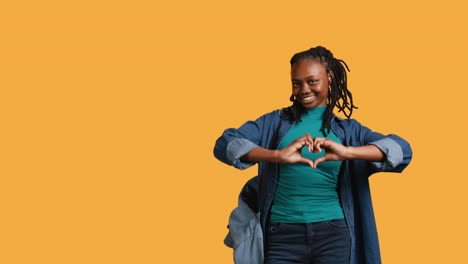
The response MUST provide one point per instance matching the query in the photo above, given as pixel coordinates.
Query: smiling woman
(310, 82)
(313, 192)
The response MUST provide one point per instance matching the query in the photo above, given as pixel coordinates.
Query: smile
(308, 98)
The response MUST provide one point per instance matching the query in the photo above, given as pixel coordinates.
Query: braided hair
(338, 94)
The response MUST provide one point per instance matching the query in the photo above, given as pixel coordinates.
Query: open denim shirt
(353, 183)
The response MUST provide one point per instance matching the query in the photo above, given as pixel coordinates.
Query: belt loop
(309, 230)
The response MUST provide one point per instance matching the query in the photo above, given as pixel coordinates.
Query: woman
(314, 196)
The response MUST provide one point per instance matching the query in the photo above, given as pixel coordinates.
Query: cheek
(325, 91)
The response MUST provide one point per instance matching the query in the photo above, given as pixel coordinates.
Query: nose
(305, 88)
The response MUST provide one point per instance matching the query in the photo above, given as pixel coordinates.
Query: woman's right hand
(289, 154)
(292, 153)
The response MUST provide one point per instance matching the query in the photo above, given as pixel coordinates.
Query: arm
(397, 151)
(247, 145)
(289, 154)
(388, 153)
(336, 151)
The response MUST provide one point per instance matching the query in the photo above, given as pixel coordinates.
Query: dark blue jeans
(326, 242)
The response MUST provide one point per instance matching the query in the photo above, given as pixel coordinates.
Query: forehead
(308, 68)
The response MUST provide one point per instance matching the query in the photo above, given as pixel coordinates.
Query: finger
(299, 143)
(327, 143)
(307, 143)
(318, 147)
(314, 145)
(310, 142)
(317, 143)
(303, 139)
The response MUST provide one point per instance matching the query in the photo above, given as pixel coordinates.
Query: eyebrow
(307, 77)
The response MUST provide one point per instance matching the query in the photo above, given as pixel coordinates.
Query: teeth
(308, 98)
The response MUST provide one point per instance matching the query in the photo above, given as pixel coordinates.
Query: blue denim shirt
(353, 183)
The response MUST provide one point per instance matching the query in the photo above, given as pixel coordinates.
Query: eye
(296, 84)
(312, 82)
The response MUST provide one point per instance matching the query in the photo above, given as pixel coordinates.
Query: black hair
(338, 94)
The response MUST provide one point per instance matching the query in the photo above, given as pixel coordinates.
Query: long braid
(338, 94)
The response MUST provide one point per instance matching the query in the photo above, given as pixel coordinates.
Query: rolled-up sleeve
(236, 149)
(397, 150)
(235, 143)
(393, 154)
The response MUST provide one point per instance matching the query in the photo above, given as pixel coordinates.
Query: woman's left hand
(333, 150)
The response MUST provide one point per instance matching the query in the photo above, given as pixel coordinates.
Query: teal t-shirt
(303, 194)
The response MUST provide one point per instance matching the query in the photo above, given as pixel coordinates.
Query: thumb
(319, 160)
(307, 161)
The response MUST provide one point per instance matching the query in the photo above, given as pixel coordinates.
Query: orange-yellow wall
(109, 111)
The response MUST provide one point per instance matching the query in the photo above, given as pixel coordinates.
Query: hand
(292, 153)
(333, 150)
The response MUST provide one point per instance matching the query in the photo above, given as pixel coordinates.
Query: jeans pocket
(337, 223)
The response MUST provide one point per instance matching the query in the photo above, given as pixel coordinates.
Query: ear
(330, 75)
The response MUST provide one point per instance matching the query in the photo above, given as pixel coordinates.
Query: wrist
(261, 155)
(350, 153)
(367, 152)
(275, 156)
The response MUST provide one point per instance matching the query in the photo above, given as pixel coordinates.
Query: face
(310, 82)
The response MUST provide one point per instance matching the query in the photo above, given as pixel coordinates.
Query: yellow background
(109, 112)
